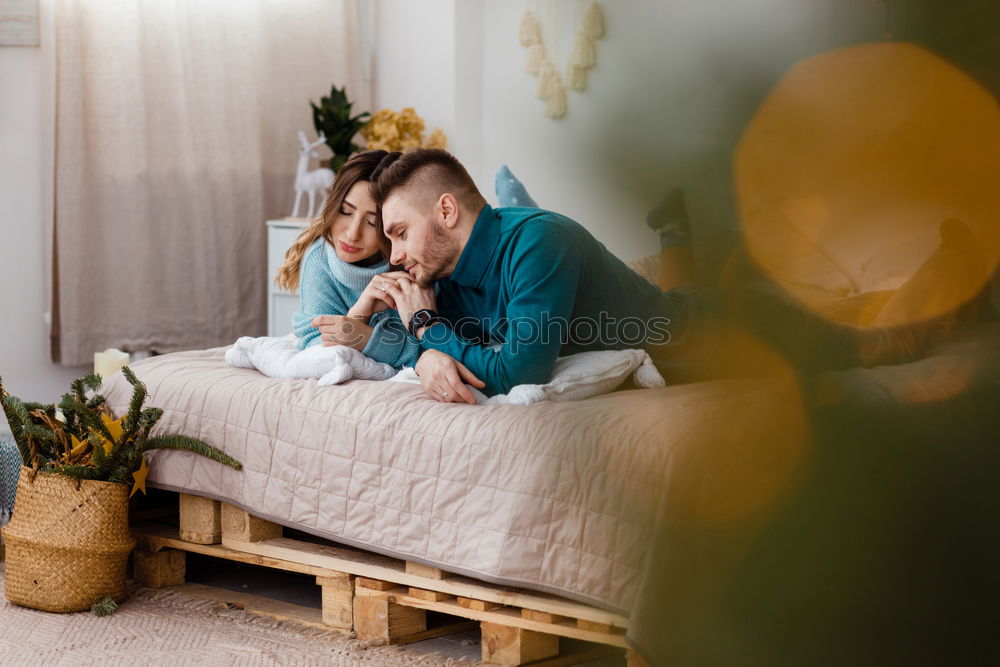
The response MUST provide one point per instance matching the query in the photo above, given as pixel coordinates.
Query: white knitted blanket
(575, 376)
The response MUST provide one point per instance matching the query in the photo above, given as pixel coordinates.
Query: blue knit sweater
(330, 286)
(531, 285)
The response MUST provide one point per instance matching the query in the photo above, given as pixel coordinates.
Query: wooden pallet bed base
(374, 596)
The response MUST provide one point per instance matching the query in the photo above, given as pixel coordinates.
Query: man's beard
(441, 251)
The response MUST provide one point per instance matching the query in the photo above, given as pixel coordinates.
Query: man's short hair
(429, 172)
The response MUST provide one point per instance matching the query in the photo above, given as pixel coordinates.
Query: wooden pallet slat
(375, 567)
(509, 616)
(276, 609)
(377, 596)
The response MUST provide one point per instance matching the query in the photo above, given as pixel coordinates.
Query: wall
(415, 59)
(675, 85)
(666, 102)
(24, 358)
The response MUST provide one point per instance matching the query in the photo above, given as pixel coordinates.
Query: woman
(333, 263)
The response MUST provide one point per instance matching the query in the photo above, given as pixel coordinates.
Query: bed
(554, 497)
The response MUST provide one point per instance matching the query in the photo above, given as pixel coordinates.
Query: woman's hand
(343, 330)
(444, 378)
(408, 296)
(372, 300)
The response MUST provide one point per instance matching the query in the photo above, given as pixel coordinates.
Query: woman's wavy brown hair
(359, 167)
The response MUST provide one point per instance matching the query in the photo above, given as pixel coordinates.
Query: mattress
(555, 497)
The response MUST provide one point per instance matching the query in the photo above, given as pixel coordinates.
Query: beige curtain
(175, 139)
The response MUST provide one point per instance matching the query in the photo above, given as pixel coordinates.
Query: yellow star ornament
(78, 447)
(114, 427)
(140, 478)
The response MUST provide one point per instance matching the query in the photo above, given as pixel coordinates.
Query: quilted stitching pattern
(559, 497)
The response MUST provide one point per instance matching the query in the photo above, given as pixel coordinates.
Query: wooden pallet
(374, 596)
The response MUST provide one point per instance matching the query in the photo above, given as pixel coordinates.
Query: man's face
(421, 242)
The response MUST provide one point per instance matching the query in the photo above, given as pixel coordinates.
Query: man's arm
(544, 275)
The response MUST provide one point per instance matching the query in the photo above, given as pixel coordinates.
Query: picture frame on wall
(19, 23)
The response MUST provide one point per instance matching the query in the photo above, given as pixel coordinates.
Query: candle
(109, 362)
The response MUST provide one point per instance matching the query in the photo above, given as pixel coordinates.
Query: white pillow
(574, 377)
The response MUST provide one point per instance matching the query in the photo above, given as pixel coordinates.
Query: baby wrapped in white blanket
(574, 377)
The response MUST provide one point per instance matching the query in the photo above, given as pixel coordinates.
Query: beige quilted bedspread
(558, 497)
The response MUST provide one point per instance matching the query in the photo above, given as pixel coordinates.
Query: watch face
(419, 319)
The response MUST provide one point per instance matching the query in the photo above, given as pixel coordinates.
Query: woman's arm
(319, 294)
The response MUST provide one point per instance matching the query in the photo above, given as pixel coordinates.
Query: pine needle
(105, 607)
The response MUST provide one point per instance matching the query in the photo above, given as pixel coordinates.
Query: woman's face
(354, 233)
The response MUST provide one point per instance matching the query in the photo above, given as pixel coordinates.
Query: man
(516, 287)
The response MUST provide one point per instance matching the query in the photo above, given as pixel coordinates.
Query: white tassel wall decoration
(555, 105)
(531, 34)
(536, 54)
(582, 58)
(584, 53)
(547, 78)
(577, 77)
(593, 22)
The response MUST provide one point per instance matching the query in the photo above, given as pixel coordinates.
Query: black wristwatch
(422, 318)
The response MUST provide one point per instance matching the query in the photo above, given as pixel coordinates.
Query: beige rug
(165, 628)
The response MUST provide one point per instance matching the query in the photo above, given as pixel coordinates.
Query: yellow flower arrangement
(391, 130)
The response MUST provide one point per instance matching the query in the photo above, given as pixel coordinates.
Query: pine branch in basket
(193, 445)
(85, 441)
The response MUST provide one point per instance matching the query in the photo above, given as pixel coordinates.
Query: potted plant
(68, 540)
(332, 119)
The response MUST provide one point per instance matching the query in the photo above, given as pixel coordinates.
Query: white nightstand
(281, 305)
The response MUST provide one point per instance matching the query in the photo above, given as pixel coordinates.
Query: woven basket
(67, 547)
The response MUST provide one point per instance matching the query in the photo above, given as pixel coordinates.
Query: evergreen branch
(77, 472)
(193, 445)
(97, 453)
(16, 417)
(139, 393)
(91, 419)
(92, 380)
(104, 607)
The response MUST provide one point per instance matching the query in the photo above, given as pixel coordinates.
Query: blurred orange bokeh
(848, 169)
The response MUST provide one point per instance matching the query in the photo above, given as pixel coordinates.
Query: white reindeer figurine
(318, 180)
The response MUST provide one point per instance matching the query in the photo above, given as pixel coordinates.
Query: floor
(302, 590)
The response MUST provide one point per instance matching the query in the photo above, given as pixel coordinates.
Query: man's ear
(448, 210)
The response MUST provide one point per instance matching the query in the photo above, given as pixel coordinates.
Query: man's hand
(408, 296)
(343, 330)
(443, 378)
